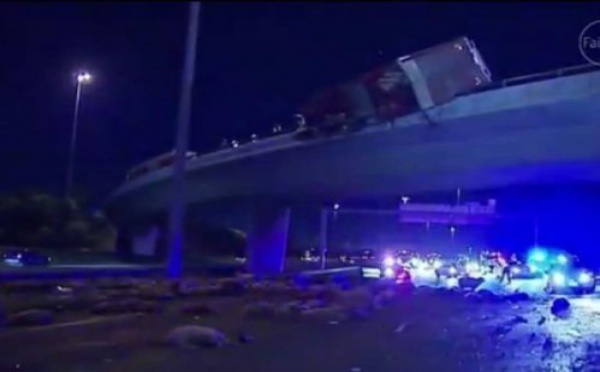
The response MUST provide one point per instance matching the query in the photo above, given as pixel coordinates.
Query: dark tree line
(34, 219)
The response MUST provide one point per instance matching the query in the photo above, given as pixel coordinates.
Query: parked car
(26, 257)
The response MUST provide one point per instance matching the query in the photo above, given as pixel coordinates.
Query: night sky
(256, 64)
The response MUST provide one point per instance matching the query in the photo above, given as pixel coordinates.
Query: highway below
(428, 330)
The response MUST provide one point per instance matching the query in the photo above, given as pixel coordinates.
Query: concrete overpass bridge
(537, 129)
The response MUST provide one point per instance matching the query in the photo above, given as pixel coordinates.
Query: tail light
(402, 276)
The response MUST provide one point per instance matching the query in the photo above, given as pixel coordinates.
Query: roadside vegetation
(38, 220)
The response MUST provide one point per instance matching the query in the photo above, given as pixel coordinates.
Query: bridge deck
(496, 129)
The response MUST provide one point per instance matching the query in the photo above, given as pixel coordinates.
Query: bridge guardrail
(518, 80)
(340, 275)
(256, 147)
(338, 270)
(222, 156)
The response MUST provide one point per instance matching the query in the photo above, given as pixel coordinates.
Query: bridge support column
(267, 238)
(145, 242)
(141, 244)
(124, 249)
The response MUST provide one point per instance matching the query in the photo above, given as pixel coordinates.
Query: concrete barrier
(340, 275)
(99, 271)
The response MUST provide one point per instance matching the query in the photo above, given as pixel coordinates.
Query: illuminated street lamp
(452, 231)
(82, 78)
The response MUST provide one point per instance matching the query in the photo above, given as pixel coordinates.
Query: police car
(571, 278)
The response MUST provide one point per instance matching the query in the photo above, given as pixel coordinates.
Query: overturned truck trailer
(411, 83)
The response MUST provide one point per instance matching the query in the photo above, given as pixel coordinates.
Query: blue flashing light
(562, 259)
(538, 255)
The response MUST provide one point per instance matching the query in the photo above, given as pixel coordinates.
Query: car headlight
(452, 282)
(585, 278)
(388, 272)
(559, 279)
(453, 270)
(389, 261)
(473, 267)
(533, 268)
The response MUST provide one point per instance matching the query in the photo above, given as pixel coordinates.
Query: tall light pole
(536, 231)
(82, 78)
(177, 213)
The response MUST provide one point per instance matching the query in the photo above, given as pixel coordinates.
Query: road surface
(426, 331)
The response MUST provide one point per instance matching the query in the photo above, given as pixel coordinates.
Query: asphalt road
(422, 332)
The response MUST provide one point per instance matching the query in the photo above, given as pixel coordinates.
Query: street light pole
(177, 212)
(82, 78)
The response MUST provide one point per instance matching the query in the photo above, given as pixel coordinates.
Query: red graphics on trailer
(411, 83)
(390, 92)
(327, 102)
